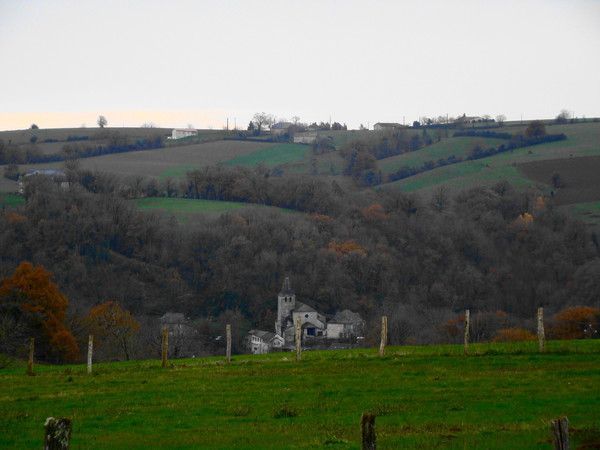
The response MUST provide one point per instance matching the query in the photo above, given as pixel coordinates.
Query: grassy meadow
(185, 209)
(271, 156)
(501, 396)
(10, 200)
(582, 140)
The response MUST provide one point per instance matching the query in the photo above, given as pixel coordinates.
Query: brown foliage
(577, 322)
(13, 218)
(41, 300)
(513, 335)
(109, 323)
(346, 248)
(374, 212)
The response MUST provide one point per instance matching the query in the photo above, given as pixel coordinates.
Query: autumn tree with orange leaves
(577, 322)
(36, 305)
(112, 327)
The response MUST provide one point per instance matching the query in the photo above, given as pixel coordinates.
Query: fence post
(228, 333)
(298, 339)
(560, 433)
(384, 335)
(30, 360)
(57, 433)
(367, 429)
(467, 329)
(165, 345)
(540, 329)
(90, 351)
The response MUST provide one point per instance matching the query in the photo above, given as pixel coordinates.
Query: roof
(303, 307)
(266, 336)
(186, 129)
(280, 125)
(388, 124)
(286, 289)
(46, 172)
(347, 316)
(171, 317)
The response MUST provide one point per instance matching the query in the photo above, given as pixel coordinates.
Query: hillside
(423, 397)
(582, 140)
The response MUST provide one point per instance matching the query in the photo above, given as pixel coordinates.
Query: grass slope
(582, 140)
(457, 146)
(185, 209)
(272, 156)
(424, 397)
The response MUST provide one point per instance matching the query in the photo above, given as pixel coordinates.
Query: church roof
(303, 307)
(286, 289)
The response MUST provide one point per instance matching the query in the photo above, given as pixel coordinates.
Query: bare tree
(102, 121)
(500, 118)
(262, 119)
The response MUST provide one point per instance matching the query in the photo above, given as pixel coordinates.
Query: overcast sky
(177, 62)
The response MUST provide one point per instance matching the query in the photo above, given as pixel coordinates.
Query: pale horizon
(185, 62)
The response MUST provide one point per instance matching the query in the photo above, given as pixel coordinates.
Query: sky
(176, 62)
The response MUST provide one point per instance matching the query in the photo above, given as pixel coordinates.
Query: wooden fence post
(467, 329)
(560, 433)
(298, 339)
(228, 333)
(384, 335)
(90, 352)
(57, 433)
(367, 429)
(165, 345)
(30, 360)
(540, 329)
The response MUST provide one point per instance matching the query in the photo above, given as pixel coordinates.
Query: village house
(308, 137)
(386, 126)
(260, 342)
(179, 133)
(317, 329)
(56, 175)
(280, 128)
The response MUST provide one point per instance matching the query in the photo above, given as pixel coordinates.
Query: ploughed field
(500, 396)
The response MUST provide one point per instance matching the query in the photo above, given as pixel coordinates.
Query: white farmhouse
(260, 342)
(179, 133)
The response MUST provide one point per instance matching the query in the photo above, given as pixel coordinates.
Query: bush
(513, 335)
(33, 139)
(577, 322)
(11, 172)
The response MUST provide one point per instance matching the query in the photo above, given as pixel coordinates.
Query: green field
(10, 200)
(502, 396)
(272, 156)
(457, 146)
(582, 140)
(185, 209)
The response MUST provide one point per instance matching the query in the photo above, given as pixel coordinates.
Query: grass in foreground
(502, 396)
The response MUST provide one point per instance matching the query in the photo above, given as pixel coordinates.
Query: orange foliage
(13, 217)
(540, 204)
(524, 220)
(576, 323)
(346, 248)
(109, 322)
(321, 218)
(513, 335)
(374, 212)
(33, 289)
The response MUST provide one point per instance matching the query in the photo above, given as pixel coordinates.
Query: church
(317, 329)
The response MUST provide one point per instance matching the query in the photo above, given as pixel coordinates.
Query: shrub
(513, 335)
(33, 139)
(284, 411)
(577, 322)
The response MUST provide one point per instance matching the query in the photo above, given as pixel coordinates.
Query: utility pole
(228, 124)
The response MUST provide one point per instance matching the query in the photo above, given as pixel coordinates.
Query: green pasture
(588, 212)
(457, 146)
(582, 140)
(272, 156)
(500, 396)
(11, 200)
